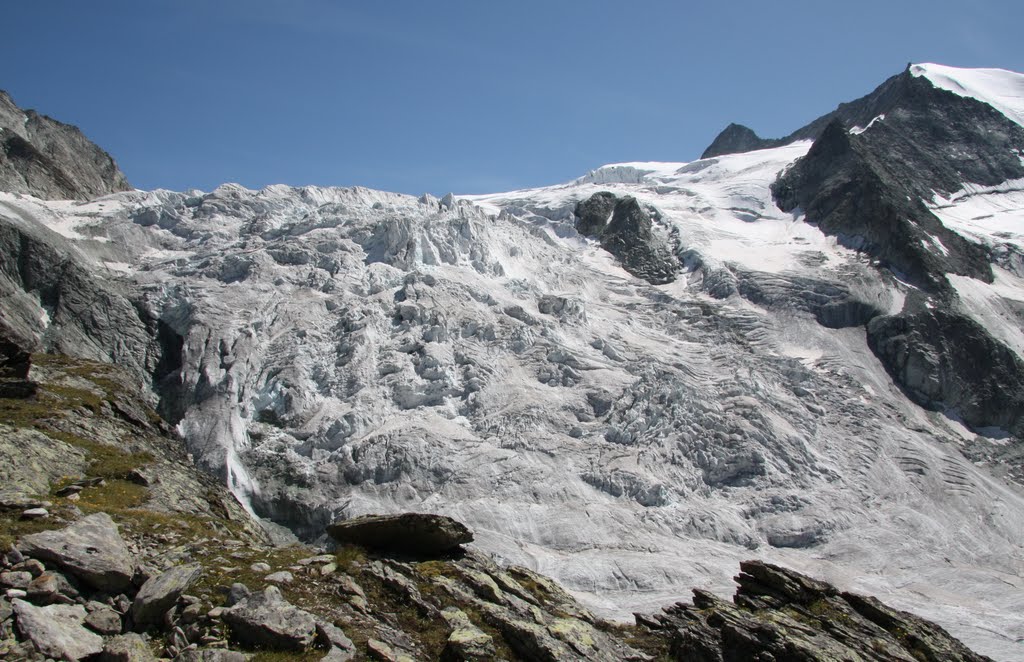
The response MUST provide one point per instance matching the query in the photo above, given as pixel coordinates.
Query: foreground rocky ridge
(108, 559)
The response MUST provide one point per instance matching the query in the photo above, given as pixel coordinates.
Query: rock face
(52, 160)
(779, 614)
(90, 549)
(625, 230)
(737, 138)
(415, 534)
(944, 359)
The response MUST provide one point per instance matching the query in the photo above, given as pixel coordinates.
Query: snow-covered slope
(341, 351)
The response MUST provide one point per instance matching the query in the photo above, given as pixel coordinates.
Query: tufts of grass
(350, 558)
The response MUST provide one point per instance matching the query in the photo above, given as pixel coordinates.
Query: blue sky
(467, 96)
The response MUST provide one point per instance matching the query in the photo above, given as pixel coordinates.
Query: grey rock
(779, 614)
(625, 230)
(338, 655)
(280, 577)
(50, 588)
(944, 360)
(210, 655)
(160, 593)
(267, 620)
(260, 567)
(104, 620)
(31, 566)
(90, 549)
(57, 631)
(466, 641)
(331, 636)
(735, 139)
(15, 579)
(35, 513)
(129, 647)
(416, 534)
(52, 160)
(236, 593)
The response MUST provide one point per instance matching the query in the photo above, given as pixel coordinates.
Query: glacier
(342, 351)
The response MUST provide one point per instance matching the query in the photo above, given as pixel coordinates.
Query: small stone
(237, 593)
(15, 594)
(283, 577)
(191, 613)
(31, 566)
(328, 569)
(51, 588)
(260, 567)
(215, 613)
(14, 556)
(320, 558)
(15, 579)
(35, 513)
(209, 655)
(378, 650)
(348, 585)
(328, 636)
(104, 620)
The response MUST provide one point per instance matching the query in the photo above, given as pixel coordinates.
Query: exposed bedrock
(626, 230)
(52, 160)
(946, 360)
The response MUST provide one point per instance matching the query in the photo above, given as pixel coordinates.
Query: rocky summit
(338, 423)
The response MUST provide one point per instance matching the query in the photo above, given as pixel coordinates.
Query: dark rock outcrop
(735, 139)
(52, 160)
(413, 534)
(160, 593)
(847, 186)
(625, 229)
(945, 359)
(779, 614)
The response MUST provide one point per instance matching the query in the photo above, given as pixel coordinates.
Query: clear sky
(467, 96)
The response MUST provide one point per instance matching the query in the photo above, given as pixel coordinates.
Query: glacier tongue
(346, 351)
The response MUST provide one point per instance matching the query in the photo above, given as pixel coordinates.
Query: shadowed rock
(414, 534)
(160, 593)
(779, 614)
(57, 631)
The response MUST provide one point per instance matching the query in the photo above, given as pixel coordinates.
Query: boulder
(127, 648)
(160, 593)
(56, 631)
(414, 534)
(209, 655)
(90, 549)
(103, 619)
(267, 620)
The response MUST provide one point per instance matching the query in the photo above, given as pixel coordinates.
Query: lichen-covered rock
(779, 614)
(416, 534)
(267, 620)
(56, 631)
(91, 549)
(127, 648)
(160, 593)
(467, 642)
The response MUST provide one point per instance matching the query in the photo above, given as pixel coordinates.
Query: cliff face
(51, 160)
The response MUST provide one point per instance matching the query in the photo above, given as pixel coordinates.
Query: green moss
(115, 495)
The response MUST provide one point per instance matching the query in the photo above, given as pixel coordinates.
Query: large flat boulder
(414, 534)
(57, 631)
(91, 549)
